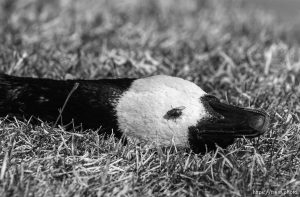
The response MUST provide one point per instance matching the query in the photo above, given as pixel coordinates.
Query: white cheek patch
(141, 109)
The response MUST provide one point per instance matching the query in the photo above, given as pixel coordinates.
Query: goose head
(173, 111)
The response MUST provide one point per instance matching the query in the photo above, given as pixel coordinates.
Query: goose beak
(229, 120)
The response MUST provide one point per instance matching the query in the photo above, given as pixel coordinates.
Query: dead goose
(161, 109)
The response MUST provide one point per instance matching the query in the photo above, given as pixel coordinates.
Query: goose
(162, 109)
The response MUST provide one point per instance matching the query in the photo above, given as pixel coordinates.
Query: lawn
(241, 53)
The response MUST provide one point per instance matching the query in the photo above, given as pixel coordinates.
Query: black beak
(226, 123)
(229, 120)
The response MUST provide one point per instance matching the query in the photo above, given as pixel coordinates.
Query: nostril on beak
(222, 117)
(217, 116)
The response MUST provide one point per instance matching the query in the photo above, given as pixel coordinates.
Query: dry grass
(242, 55)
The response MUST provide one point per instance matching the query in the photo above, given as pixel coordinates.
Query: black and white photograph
(142, 98)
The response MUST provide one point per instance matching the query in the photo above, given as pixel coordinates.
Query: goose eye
(174, 113)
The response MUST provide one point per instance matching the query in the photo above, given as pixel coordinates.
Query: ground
(240, 52)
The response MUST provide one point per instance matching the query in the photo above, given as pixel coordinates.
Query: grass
(243, 55)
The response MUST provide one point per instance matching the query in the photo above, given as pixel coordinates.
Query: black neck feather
(91, 104)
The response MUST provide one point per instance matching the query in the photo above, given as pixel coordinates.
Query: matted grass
(245, 56)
